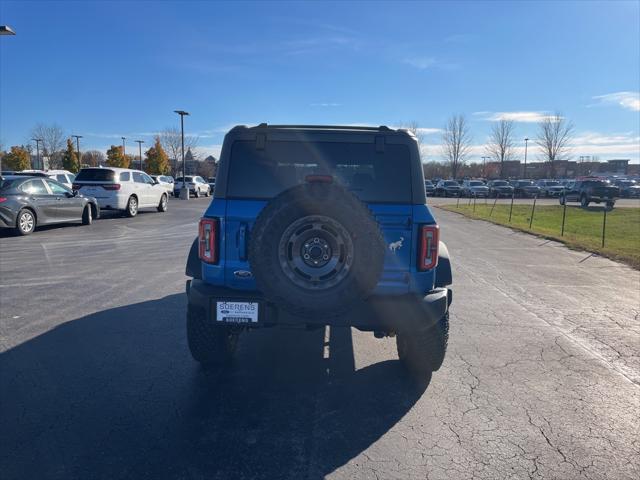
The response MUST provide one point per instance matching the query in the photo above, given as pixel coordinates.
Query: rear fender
(194, 268)
(443, 270)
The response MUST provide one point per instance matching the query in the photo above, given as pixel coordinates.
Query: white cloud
(518, 117)
(603, 145)
(429, 131)
(421, 63)
(326, 104)
(599, 139)
(627, 100)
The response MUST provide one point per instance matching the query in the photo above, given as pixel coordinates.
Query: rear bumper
(376, 313)
(113, 201)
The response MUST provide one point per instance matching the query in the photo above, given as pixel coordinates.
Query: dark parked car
(448, 188)
(525, 188)
(550, 188)
(628, 188)
(29, 202)
(590, 190)
(500, 188)
(429, 188)
(212, 183)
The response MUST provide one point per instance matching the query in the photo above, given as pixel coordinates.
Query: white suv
(197, 186)
(121, 189)
(63, 176)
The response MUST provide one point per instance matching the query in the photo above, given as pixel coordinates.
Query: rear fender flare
(194, 267)
(444, 276)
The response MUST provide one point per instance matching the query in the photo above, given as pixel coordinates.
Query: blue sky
(111, 69)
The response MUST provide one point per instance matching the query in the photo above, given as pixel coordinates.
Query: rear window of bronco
(382, 177)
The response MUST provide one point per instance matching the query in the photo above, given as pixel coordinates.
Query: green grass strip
(582, 230)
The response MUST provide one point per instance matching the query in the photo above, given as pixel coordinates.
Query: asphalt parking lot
(542, 378)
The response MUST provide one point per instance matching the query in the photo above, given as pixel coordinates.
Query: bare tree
(53, 142)
(171, 140)
(456, 141)
(93, 158)
(554, 136)
(500, 145)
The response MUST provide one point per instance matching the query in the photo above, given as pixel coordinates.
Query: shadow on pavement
(115, 394)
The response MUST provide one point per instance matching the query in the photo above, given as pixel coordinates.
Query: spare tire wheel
(315, 250)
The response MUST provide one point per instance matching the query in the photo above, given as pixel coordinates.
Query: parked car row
(521, 188)
(30, 199)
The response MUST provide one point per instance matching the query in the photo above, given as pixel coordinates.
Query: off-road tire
(422, 350)
(163, 206)
(87, 215)
(359, 258)
(132, 207)
(210, 344)
(23, 225)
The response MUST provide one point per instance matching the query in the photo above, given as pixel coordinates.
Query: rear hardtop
(380, 137)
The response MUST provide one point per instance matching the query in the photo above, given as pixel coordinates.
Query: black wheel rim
(316, 252)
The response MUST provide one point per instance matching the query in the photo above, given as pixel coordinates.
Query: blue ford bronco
(319, 225)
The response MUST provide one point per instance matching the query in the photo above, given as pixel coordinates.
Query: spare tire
(315, 250)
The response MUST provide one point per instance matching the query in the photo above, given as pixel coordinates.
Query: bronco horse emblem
(393, 246)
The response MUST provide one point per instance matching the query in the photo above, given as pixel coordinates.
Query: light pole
(140, 142)
(526, 143)
(78, 137)
(5, 30)
(124, 151)
(38, 140)
(184, 191)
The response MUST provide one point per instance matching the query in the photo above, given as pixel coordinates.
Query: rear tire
(210, 344)
(422, 350)
(163, 205)
(25, 222)
(132, 207)
(197, 194)
(87, 215)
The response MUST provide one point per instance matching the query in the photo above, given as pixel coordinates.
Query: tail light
(111, 186)
(208, 240)
(3, 199)
(429, 241)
